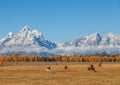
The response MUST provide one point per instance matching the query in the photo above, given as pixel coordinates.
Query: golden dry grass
(108, 74)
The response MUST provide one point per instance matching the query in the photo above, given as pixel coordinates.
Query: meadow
(33, 73)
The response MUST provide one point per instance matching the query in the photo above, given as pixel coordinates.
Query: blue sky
(60, 20)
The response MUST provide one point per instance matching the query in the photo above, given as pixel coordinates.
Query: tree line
(16, 57)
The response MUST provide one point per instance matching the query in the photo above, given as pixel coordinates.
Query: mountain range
(28, 42)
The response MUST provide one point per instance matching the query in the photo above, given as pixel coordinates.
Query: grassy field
(76, 74)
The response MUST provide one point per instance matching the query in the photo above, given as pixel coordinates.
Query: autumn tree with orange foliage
(16, 57)
(2, 59)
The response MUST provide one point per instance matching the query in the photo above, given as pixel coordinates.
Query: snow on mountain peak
(93, 39)
(26, 38)
(32, 41)
(94, 34)
(27, 33)
(37, 33)
(25, 28)
(10, 34)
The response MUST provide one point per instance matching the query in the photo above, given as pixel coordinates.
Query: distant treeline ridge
(16, 57)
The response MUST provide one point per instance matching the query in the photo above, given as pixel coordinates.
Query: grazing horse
(48, 69)
(91, 68)
(65, 67)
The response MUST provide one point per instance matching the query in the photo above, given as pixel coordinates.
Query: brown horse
(65, 67)
(91, 68)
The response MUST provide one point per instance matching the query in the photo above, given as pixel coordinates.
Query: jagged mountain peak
(93, 39)
(26, 37)
(10, 34)
(32, 41)
(25, 28)
(26, 32)
(94, 35)
(36, 32)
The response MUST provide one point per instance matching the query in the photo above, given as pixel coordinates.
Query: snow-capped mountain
(110, 39)
(25, 38)
(32, 42)
(97, 40)
(92, 45)
(91, 40)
